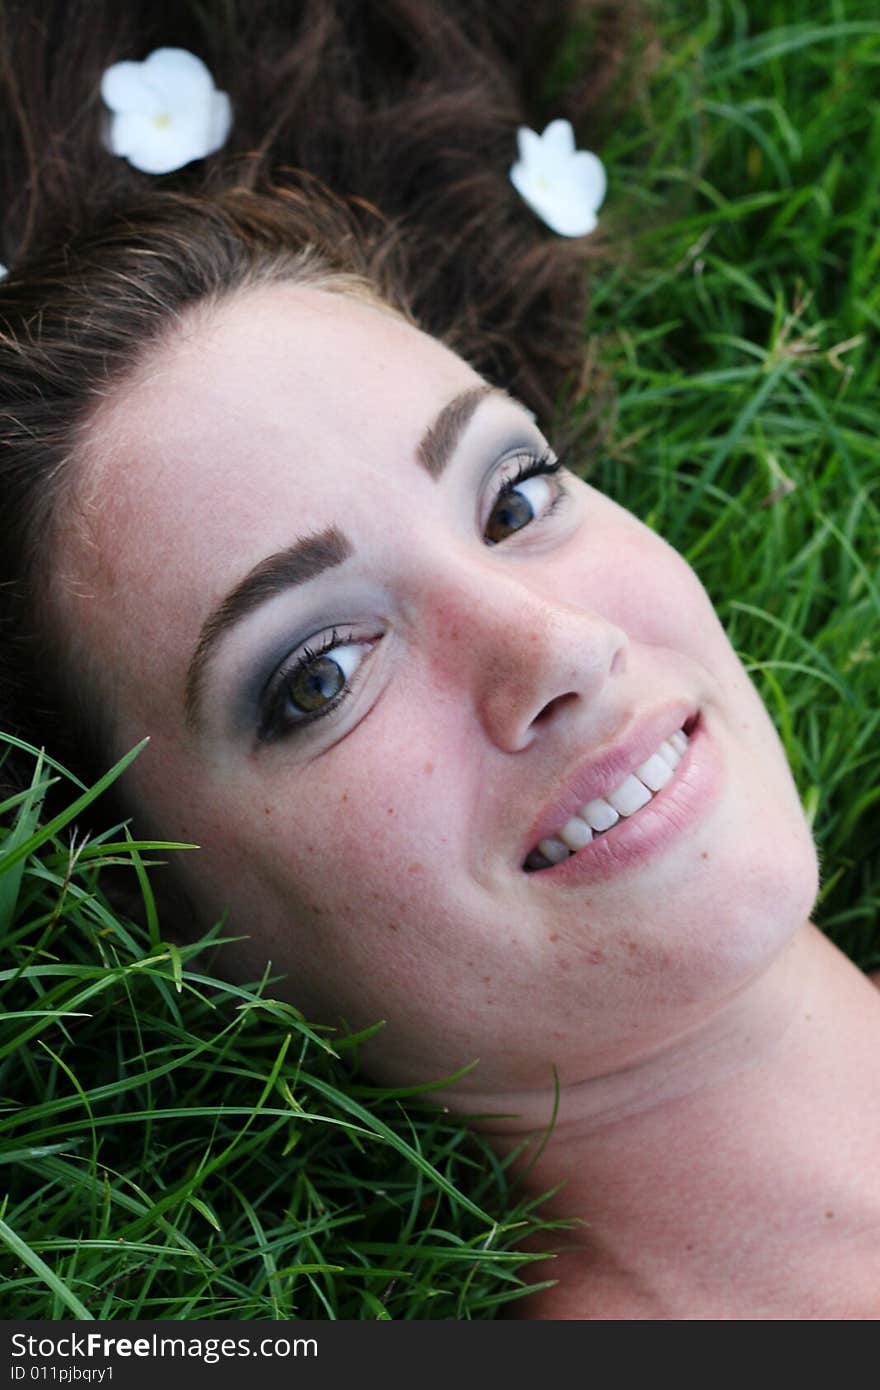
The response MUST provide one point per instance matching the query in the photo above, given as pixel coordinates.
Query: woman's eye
(518, 504)
(312, 686)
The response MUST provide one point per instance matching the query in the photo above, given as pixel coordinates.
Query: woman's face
(378, 664)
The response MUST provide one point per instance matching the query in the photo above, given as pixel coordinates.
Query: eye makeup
(311, 684)
(279, 640)
(344, 609)
(528, 465)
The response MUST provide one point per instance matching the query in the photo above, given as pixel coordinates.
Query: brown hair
(370, 151)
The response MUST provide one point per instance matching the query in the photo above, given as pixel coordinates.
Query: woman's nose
(527, 659)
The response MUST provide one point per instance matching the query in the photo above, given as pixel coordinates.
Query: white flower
(564, 186)
(166, 111)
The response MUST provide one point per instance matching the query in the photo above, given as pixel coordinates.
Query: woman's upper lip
(603, 769)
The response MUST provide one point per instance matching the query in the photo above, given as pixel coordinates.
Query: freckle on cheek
(429, 768)
(554, 936)
(415, 867)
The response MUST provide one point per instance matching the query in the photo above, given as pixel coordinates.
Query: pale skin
(719, 1116)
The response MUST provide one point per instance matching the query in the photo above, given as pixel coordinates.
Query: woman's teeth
(634, 792)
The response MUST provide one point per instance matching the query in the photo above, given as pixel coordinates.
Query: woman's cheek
(638, 581)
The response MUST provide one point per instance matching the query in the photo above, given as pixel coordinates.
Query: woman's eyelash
(275, 721)
(513, 518)
(532, 466)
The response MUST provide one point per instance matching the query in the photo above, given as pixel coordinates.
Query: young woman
(463, 743)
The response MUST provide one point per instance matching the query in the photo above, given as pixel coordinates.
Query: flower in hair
(165, 111)
(563, 185)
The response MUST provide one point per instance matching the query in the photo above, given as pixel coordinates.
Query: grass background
(173, 1146)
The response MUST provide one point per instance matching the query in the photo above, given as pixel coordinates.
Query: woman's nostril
(552, 708)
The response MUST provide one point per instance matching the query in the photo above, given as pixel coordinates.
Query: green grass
(174, 1146)
(741, 340)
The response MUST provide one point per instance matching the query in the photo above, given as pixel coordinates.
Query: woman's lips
(599, 815)
(673, 811)
(605, 768)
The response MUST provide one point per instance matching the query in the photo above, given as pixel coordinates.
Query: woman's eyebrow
(296, 564)
(440, 440)
(307, 558)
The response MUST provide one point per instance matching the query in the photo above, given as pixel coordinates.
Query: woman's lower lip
(672, 813)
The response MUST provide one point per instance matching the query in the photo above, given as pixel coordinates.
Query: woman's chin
(763, 899)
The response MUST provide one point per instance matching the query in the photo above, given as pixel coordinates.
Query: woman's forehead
(283, 395)
(283, 412)
(273, 368)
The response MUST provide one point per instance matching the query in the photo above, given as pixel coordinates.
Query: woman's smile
(662, 800)
(612, 783)
(600, 814)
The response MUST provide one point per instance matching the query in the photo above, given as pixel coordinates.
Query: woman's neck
(733, 1175)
